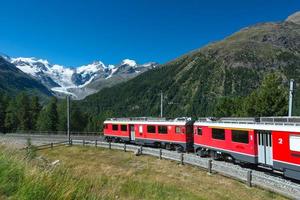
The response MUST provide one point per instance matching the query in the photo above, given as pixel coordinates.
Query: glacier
(66, 80)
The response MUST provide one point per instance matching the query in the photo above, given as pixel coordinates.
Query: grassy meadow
(90, 173)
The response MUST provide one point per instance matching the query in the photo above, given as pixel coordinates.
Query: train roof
(150, 120)
(290, 124)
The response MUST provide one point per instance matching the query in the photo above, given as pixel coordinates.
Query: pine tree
(62, 116)
(23, 112)
(228, 107)
(53, 115)
(270, 99)
(93, 124)
(48, 117)
(11, 120)
(35, 109)
(2, 114)
(5, 100)
(78, 119)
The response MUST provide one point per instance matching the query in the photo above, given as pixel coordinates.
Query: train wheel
(157, 144)
(179, 148)
(168, 146)
(229, 158)
(214, 155)
(201, 152)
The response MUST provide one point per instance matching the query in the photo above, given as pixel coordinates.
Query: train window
(218, 134)
(177, 129)
(115, 127)
(295, 143)
(162, 129)
(123, 127)
(240, 136)
(151, 129)
(199, 131)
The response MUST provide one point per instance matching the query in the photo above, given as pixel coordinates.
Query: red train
(174, 134)
(271, 142)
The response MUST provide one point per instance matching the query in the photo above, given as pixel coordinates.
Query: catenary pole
(161, 104)
(68, 118)
(291, 97)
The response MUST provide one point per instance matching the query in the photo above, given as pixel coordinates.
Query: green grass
(11, 175)
(154, 190)
(90, 173)
(122, 175)
(21, 178)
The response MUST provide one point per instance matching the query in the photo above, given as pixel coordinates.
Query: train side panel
(286, 153)
(153, 134)
(116, 131)
(240, 144)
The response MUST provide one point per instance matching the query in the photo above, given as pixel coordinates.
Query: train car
(261, 142)
(117, 131)
(175, 134)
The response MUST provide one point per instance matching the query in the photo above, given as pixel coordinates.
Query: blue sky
(76, 32)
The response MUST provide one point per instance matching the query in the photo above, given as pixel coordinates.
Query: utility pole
(161, 103)
(68, 118)
(291, 97)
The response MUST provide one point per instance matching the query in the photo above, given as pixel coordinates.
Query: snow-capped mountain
(76, 81)
(6, 57)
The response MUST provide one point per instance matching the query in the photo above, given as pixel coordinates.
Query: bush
(31, 150)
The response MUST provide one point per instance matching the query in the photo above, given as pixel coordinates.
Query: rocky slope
(295, 18)
(13, 81)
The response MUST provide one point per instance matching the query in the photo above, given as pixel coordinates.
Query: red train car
(276, 145)
(176, 134)
(117, 131)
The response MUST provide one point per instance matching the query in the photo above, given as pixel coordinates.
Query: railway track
(258, 176)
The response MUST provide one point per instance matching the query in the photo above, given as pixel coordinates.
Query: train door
(132, 132)
(189, 134)
(264, 146)
(189, 137)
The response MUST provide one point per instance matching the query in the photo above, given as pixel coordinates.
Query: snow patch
(113, 71)
(129, 62)
(91, 68)
(62, 90)
(111, 66)
(28, 69)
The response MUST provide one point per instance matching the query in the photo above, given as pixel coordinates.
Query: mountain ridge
(76, 81)
(295, 18)
(14, 81)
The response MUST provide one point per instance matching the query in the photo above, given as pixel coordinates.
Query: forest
(25, 113)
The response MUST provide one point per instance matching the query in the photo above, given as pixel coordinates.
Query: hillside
(13, 81)
(195, 82)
